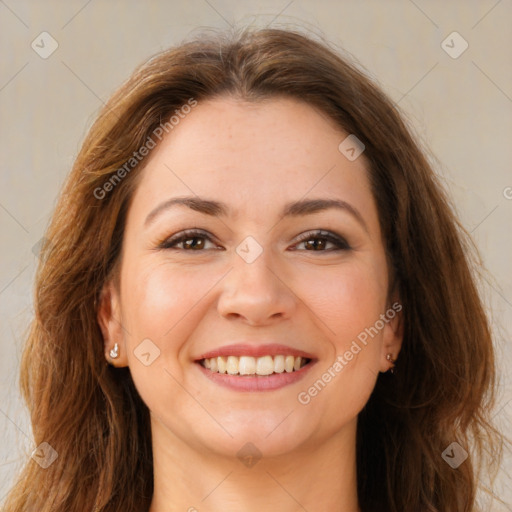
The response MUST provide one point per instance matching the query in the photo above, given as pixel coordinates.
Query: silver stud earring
(114, 352)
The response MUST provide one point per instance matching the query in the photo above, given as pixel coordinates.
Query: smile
(249, 365)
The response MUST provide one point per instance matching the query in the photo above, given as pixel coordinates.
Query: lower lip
(256, 382)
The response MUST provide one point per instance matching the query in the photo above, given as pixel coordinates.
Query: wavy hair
(91, 414)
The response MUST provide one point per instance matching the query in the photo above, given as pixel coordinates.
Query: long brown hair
(91, 413)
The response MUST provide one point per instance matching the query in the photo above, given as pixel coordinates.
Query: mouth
(249, 366)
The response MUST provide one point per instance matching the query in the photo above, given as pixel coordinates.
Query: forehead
(253, 156)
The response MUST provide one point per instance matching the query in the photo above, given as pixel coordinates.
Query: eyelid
(190, 233)
(330, 236)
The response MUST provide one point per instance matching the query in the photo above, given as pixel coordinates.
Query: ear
(393, 333)
(109, 320)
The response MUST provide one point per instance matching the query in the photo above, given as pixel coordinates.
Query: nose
(257, 292)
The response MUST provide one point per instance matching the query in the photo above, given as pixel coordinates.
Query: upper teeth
(247, 365)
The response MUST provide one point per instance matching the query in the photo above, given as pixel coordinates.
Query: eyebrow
(293, 209)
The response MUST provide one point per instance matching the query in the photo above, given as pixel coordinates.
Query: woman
(254, 295)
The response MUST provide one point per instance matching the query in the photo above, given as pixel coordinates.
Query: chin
(268, 436)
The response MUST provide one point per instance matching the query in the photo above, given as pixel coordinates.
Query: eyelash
(318, 234)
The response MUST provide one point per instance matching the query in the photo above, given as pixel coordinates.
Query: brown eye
(190, 240)
(195, 242)
(316, 241)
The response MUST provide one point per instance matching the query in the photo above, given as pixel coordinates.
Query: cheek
(158, 297)
(358, 301)
(347, 300)
(160, 303)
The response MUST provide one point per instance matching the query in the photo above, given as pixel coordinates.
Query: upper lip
(244, 349)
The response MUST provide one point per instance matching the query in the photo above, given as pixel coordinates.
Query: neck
(321, 476)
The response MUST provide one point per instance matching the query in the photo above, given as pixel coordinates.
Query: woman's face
(244, 285)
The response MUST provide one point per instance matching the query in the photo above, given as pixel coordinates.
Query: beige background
(460, 107)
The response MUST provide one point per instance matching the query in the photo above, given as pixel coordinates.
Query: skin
(255, 158)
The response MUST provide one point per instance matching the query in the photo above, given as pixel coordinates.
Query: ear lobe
(108, 316)
(393, 335)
